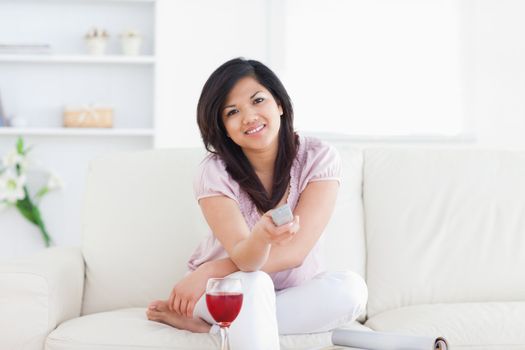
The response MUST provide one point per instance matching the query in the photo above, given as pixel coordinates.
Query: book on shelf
(372, 340)
(24, 48)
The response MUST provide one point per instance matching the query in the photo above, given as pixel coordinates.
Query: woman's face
(251, 116)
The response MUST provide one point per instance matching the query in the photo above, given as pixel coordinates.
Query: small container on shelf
(130, 41)
(88, 117)
(96, 40)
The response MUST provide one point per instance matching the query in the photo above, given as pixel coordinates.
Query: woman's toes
(153, 315)
(154, 305)
(161, 305)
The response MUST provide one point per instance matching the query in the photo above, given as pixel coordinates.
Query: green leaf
(32, 213)
(20, 145)
(40, 223)
(25, 208)
(43, 191)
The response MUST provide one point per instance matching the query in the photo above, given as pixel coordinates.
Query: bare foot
(158, 311)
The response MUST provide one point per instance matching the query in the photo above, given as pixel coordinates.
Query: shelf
(75, 132)
(49, 58)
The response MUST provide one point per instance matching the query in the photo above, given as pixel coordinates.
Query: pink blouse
(315, 161)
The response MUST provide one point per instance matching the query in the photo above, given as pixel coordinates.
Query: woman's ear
(281, 111)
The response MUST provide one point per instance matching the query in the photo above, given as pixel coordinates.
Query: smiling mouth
(255, 130)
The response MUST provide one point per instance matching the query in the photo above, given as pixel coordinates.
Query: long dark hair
(213, 132)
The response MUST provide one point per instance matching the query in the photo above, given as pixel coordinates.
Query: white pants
(329, 300)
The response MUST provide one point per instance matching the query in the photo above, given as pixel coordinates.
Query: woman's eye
(231, 112)
(258, 100)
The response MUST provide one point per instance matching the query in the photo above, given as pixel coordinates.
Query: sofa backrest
(141, 223)
(443, 226)
(344, 235)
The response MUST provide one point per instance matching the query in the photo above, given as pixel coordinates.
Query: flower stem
(31, 212)
(42, 227)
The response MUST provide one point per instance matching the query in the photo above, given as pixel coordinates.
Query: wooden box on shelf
(88, 117)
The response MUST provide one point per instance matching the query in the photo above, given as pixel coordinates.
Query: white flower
(13, 159)
(11, 186)
(54, 182)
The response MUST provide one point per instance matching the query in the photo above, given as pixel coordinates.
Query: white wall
(493, 56)
(497, 59)
(195, 36)
(492, 46)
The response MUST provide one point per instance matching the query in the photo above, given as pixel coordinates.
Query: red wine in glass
(224, 301)
(224, 307)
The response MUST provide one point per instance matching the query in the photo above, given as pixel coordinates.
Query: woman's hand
(266, 230)
(187, 292)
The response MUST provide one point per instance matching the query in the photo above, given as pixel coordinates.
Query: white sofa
(439, 236)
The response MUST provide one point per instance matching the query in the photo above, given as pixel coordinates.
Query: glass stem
(225, 339)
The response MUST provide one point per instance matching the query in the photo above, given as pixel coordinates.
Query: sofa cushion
(443, 226)
(476, 326)
(130, 329)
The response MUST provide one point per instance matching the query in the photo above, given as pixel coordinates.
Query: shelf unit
(36, 87)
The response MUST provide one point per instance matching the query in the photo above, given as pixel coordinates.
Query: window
(372, 67)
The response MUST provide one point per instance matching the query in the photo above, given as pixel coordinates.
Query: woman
(258, 163)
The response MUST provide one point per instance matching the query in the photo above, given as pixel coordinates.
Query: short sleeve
(322, 162)
(212, 180)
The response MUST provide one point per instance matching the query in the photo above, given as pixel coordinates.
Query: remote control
(282, 215)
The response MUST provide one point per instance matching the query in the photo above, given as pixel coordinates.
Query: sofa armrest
(37, 294)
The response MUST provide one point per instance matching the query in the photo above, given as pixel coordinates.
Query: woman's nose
(250, 116)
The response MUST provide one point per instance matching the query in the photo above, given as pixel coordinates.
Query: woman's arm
(187, 292)
(249, 251)
(315, 207)
(268, 247)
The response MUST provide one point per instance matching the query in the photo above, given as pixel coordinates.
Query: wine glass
(224, 301)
